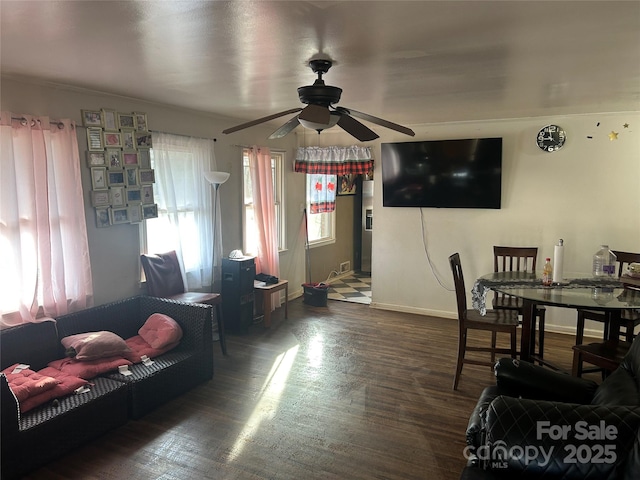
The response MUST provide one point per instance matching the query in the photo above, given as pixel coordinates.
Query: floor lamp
(215, 179)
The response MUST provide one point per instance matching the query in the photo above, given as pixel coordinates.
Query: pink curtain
(268, 259)
(44, 252)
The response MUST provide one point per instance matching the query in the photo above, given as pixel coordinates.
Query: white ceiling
(408, 62)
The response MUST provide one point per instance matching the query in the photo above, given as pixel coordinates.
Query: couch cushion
(26, 383)
(140, 347)
(88, 369)
(95, 345)
(67, 384)
(160, 330)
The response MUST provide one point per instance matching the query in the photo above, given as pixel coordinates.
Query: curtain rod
(23, 120)
(181, 135)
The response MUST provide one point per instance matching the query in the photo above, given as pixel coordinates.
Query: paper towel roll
(558, 258)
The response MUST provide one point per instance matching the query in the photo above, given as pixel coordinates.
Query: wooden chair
(164, 279)
(494, 321)
(629, 318)
(606, 355)
(518, 259)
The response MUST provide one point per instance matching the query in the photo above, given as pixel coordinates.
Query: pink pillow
(160, 330)
(67, 384)
(26, 383)
(94, 345)
(88, 369)
(139, 348)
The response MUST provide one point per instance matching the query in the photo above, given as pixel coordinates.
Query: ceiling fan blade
(284, 129)
(377, 121)
(355, 128)
(315, 114)
(260, 120)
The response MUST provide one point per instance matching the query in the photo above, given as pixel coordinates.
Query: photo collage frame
(119, 157)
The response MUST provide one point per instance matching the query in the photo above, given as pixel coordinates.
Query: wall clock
(551, 138)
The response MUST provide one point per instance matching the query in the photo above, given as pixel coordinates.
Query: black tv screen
(442, 173)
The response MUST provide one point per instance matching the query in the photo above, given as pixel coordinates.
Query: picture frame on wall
(100, 198)
(117, 196)
(144, 158)
(94, 139)
(143, 139)
(347, 184)
(134, 195)
(146, 193)
(126, 120)
(119, 215)
(128, 139)
(112, 139)
(98, 178)
(115, 178)
(141, 121)
(96, 159)
(102, 217)
(147, 176)
(91, 118)
(149, 211)
(131, 176)
(135, 214)
(110, 120)
(130, 158)
(114, 158)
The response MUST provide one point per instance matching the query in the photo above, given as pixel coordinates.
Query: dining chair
(606, 356)
(495, 321)
(164, 279)
(518, 259)
(629, 319)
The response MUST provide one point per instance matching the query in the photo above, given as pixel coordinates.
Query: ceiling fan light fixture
(318, 127)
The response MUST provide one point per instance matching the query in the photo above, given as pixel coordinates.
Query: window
(320, 226)
(183, 197)
(249, 225)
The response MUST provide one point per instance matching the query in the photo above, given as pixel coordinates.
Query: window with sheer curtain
(44, 251)
(185, 217)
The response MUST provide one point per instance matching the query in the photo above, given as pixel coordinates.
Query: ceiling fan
(321, 113)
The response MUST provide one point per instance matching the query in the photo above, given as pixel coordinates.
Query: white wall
(587, 193)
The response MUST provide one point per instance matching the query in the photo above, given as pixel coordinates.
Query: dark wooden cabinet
(238, 275)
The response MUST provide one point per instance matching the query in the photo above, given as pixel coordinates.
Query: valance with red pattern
(334, 160)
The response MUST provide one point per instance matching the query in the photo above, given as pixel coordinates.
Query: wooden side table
(267, 289)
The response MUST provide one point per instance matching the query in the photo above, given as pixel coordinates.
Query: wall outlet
(345, 266)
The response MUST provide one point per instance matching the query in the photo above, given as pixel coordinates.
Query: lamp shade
(333, 119)
(216, 178)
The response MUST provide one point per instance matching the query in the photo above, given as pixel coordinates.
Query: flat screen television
(443, 173)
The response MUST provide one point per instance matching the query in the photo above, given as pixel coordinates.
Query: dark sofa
(32, 439)
(537, 423)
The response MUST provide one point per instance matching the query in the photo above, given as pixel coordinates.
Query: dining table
(577, 291)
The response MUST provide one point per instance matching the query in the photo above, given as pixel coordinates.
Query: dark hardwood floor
(337, 392)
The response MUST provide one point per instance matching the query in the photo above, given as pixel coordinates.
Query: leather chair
(518, 259)
(164, 279)
(515, 415)
(494, 321)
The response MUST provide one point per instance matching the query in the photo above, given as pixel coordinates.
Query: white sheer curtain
(268, 259)
(184, 197)
(44, 253)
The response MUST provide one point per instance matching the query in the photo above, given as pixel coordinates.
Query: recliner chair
(538, 423)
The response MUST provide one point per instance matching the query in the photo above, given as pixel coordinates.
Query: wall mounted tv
(442, 173)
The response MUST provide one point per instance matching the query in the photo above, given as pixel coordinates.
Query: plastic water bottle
(604, 262)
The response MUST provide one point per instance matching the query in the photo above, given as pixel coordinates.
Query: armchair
(538, 423)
